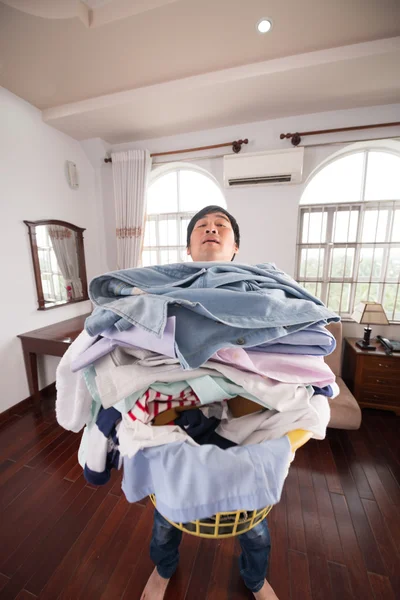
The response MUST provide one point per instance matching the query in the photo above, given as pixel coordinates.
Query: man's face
(212, 239)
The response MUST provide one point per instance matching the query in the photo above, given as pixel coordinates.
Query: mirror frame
(36, 266)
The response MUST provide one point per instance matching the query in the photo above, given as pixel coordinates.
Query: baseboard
(25, 405)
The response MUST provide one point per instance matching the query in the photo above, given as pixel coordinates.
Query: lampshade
(370, 313)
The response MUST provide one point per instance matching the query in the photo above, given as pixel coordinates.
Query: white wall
(267, 215)
(33, 186)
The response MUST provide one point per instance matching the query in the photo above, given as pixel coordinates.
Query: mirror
(58, 262)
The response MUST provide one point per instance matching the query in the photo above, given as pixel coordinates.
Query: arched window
(348, 246)
(176, 192)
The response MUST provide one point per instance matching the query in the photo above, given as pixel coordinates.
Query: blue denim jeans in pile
(253, 562)
(216, 305)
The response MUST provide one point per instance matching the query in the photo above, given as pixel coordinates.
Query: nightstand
(372, 376)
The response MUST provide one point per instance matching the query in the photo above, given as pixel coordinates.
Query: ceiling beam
(260, 69)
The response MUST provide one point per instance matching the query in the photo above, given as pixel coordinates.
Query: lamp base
(364, 343)
(361, 344)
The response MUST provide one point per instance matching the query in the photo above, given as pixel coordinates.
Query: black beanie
(209, 210)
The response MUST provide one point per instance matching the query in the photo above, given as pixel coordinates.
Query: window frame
(178, 216)
(323, 280)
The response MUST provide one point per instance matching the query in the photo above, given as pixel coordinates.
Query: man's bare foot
(266, 593)
(155, 587)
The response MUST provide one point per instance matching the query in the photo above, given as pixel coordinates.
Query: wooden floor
(335, 534)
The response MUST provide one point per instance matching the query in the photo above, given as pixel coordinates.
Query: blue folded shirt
(196, 482)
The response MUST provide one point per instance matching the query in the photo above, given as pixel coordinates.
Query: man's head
(213, 235)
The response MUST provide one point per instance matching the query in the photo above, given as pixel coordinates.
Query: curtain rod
(295, 138)
(342, 142)
(320, 145)
(236, 148)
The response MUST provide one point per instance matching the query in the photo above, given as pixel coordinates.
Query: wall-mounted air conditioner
(264, 168)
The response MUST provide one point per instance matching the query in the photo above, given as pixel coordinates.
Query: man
(212, 235)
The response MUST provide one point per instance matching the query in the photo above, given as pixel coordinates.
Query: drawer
(381, 363)
(381, 378)
(384, 390)
(379, 398)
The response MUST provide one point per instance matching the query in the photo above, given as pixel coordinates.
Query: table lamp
(369, 313)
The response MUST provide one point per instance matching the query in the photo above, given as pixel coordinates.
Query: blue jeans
(253, 562)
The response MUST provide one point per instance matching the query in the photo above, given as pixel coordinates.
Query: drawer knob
(381, 365)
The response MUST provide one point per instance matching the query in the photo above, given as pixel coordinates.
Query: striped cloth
(153, 403)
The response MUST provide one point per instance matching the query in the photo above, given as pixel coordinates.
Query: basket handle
(298, 437)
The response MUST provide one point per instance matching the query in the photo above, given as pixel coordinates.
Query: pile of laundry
(190, 376)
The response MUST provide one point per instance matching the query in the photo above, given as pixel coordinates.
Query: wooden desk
(54, 340)
(372, 376)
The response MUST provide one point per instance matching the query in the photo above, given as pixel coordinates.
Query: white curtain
(64, 244)
(131, 171)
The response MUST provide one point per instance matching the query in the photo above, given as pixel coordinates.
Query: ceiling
(148, 68)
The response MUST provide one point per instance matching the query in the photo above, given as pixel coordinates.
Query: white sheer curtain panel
(64, 245)
(131, 172)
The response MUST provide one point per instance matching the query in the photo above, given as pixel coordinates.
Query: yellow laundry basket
(236, 522)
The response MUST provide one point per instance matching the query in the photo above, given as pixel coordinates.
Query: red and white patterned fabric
(153, 403)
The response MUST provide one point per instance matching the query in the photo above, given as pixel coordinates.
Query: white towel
(73, 400)
(270, 424)
(134, 436)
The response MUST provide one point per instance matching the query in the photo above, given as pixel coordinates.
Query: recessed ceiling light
(264, 25)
